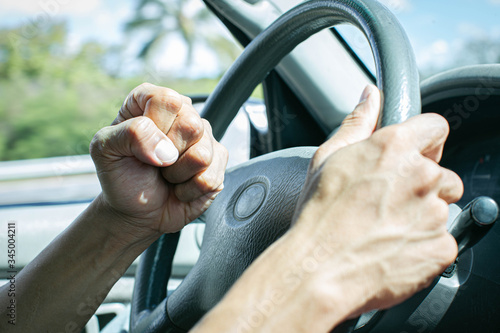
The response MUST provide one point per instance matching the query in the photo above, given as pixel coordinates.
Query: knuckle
(170, 98)
(191, 127)
(429, 172)
(427, 177)
(161, 97)
(206, 125)
(139, 128)
(457, 186)
(207, 182)
(397, 133)
(441, 122)
(391, 137)
(145, 91)
(98, 142)
(201, 156)
(145, 86)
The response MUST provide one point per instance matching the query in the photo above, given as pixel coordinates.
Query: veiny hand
(158, 163)
(381, 206)
(368, 232)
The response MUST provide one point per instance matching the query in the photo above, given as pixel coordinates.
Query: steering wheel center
(249, 201)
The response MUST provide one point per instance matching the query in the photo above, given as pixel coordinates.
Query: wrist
(337, 284)
(303, 294)
(336, 279)
(121, 230)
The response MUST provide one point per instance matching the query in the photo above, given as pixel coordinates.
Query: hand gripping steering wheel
(257, 204)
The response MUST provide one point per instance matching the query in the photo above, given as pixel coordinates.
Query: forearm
(63, 286)
(290, 289)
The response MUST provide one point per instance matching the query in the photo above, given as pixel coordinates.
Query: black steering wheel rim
(397, 78)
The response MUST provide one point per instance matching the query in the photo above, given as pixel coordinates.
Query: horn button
(249, 201)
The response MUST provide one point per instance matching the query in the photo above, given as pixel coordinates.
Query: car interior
(311, 79)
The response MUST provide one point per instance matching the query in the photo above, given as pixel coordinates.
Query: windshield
(444, 34)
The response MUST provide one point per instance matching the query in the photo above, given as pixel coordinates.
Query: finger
(427, 133)
(357, 126)
(187, 129)
(452, 187)
(206, 182)
(157, 103)
(428, 177)
(193, 161)
(187, 100)
(138, 137)
(449, 251)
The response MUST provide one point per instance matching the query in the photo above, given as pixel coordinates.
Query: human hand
(378, 208)
(158, 164)
(369, 230)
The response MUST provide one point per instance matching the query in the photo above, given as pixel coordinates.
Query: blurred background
(65, 69)
(66, 66)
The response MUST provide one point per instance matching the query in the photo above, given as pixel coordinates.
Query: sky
(89, 19)
(437, 29)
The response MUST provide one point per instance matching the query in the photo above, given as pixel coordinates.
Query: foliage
(164, 19)
(53, 101)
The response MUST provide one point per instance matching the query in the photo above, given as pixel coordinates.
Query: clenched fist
(158, 163)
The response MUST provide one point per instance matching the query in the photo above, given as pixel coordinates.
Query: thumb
(357, 126)
(360, 124)
(138, 137)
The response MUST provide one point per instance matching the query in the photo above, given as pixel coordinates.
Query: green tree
(52, 101)
(164, 19)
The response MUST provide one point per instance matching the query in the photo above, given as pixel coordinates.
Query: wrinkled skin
(151, 198)
(369, 230)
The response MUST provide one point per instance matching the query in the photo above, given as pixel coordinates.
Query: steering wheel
(257, 204)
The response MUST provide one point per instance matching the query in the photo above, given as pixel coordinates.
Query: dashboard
(469, 98)
(473, 147)
(477, 162)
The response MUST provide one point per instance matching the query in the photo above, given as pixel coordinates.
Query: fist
(158, 164)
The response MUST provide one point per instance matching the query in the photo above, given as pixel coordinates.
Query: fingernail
(366, 93)
(166, 152)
